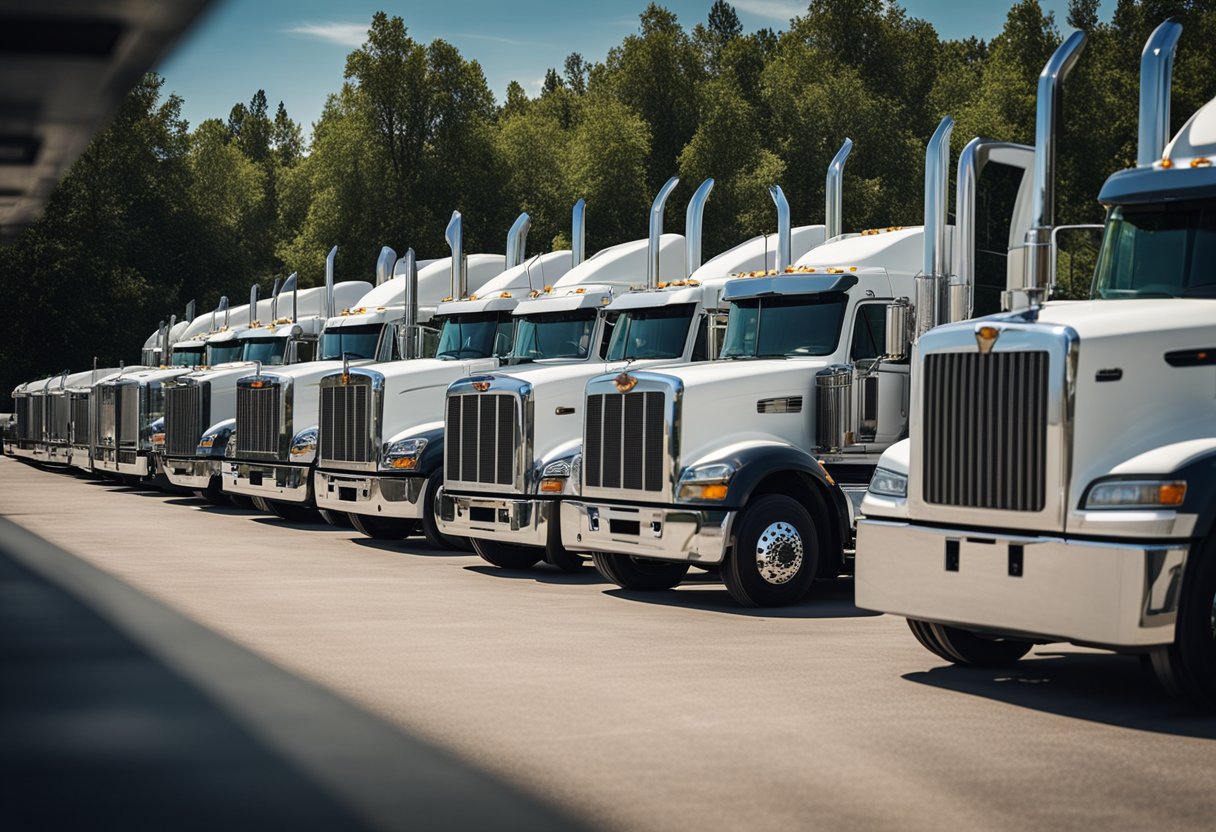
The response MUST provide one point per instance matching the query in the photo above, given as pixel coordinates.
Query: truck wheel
(293, 512)
(924, 634)
(383, 528)
(262, 505)
(507, 555)
(775, 555)
(337, 519)
(556, 553)
(1187, 668)
(241, 501)
(643, 574)
(430, 528)
(966, 647)
(213, 495)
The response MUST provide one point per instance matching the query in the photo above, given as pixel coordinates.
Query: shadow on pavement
(542, 573)
(117, 712)
(1098, 687)
(271, 520)
(829, 599)
(406, 546)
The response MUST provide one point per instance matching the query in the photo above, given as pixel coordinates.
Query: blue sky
(296, 49)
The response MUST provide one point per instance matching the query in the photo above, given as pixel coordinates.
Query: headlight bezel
(888, 484)
(214, 442)
(403, 454)
(304, 444)
(1135, 494)
(706, 482)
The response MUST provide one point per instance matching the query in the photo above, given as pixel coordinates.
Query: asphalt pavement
(563, 696)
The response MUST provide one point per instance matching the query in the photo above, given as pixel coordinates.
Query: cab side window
(870, 331)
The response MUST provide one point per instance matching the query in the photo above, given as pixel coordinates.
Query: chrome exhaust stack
(971, 162)
(329, 283)
(935, 265)
(384, 264)
(253, 304)
(289, 285)
(656, 232)
(1047, 112)
(517, 240)
(578, 233)
(833, 190)
(454, 234)
(1156, 74)
(190, 312)
(222, 306)
(162, 345)
(274, 299)
(407, 343)
(692, 227)
(784, 245)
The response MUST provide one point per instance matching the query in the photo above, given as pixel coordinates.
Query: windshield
(475, 336)
(554, 335)
(1164, 250)
(355, 341)
(225, 352)
(780, 326)
(266, 350)
(658, 332)
(186, 356)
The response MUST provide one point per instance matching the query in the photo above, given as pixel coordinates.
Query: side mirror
(1077, 259)
(899, 329)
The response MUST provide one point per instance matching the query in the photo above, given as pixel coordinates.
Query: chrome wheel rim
(779, 553)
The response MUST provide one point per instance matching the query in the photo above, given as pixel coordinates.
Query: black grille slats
(128, 416)
(183, 419)
(346, 429)
(257, 419)
(80, 418)
(623, 444)
(985, 430)
(479, 438)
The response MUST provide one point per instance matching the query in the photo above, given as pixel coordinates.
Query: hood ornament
(985, 337)
(481, 385)
(625, 382)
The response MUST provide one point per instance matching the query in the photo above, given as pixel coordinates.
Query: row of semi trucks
(908, 405)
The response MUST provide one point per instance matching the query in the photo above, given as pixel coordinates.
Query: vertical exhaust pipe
(408, 266)
(692, 227)
(222, 306)
(384, 264)
(578, 233)
(833, 192)
(162, 343)
(784, 246)
(1043, 208)
(656, 232)
(190, 313)
(253, 304)
(329, 283)
(935, 265)
(289, 285)
(454, 234)
(274, 299)
(517, 240)
(1156, 74)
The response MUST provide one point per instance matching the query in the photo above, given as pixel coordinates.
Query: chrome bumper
(1116, 594)
(511, 520)
(289, 483)
(131, 463)
(379, 496)
(685, 534)
(192, 473)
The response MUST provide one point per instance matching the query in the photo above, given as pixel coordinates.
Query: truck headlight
(555, 475)
(214, 439)
(304, 444)
(157, 431)
(1125, 494)
(404, 454)
(706, 482)
(888, 483)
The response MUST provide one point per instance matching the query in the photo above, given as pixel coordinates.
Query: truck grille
(128, 415)
(183, 419)
(479, 438)
(107, 415)
(57, 418)
(623, 446)
(257, 419)
(80, 418)
(985, 430)
(346, 426)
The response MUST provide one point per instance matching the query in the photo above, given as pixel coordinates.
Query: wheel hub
(779, 553)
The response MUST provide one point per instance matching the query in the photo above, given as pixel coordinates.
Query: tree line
(156, 212)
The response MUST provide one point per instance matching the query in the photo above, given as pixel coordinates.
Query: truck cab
(1058, 483)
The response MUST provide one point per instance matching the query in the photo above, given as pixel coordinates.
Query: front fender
(227, 426)
(1193, 461)
(432, 454)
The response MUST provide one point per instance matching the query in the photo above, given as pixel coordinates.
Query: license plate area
(975, 554)
(349, 491)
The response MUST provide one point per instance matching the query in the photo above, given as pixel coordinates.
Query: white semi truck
(754, 464)
(514, 523)
(273, 449)
(200, 406)
(381, 428)
(1058, 481)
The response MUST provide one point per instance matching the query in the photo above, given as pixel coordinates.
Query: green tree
(607, 167)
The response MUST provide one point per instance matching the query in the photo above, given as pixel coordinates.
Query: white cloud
(781, 10)
(333, 31)
(499, 39)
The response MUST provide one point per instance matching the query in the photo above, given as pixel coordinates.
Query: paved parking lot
(669, 711)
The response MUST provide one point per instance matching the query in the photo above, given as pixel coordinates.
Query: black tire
(383, 528)
(779, 529)
(213, 495)
(261, 504)
(924, 634)
(507, 555)
(1187, 667)
(293, 512)
(240, 501)
(966, 647)
(337, 519)
(430, 528)
(557, 554)
(641, 574)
